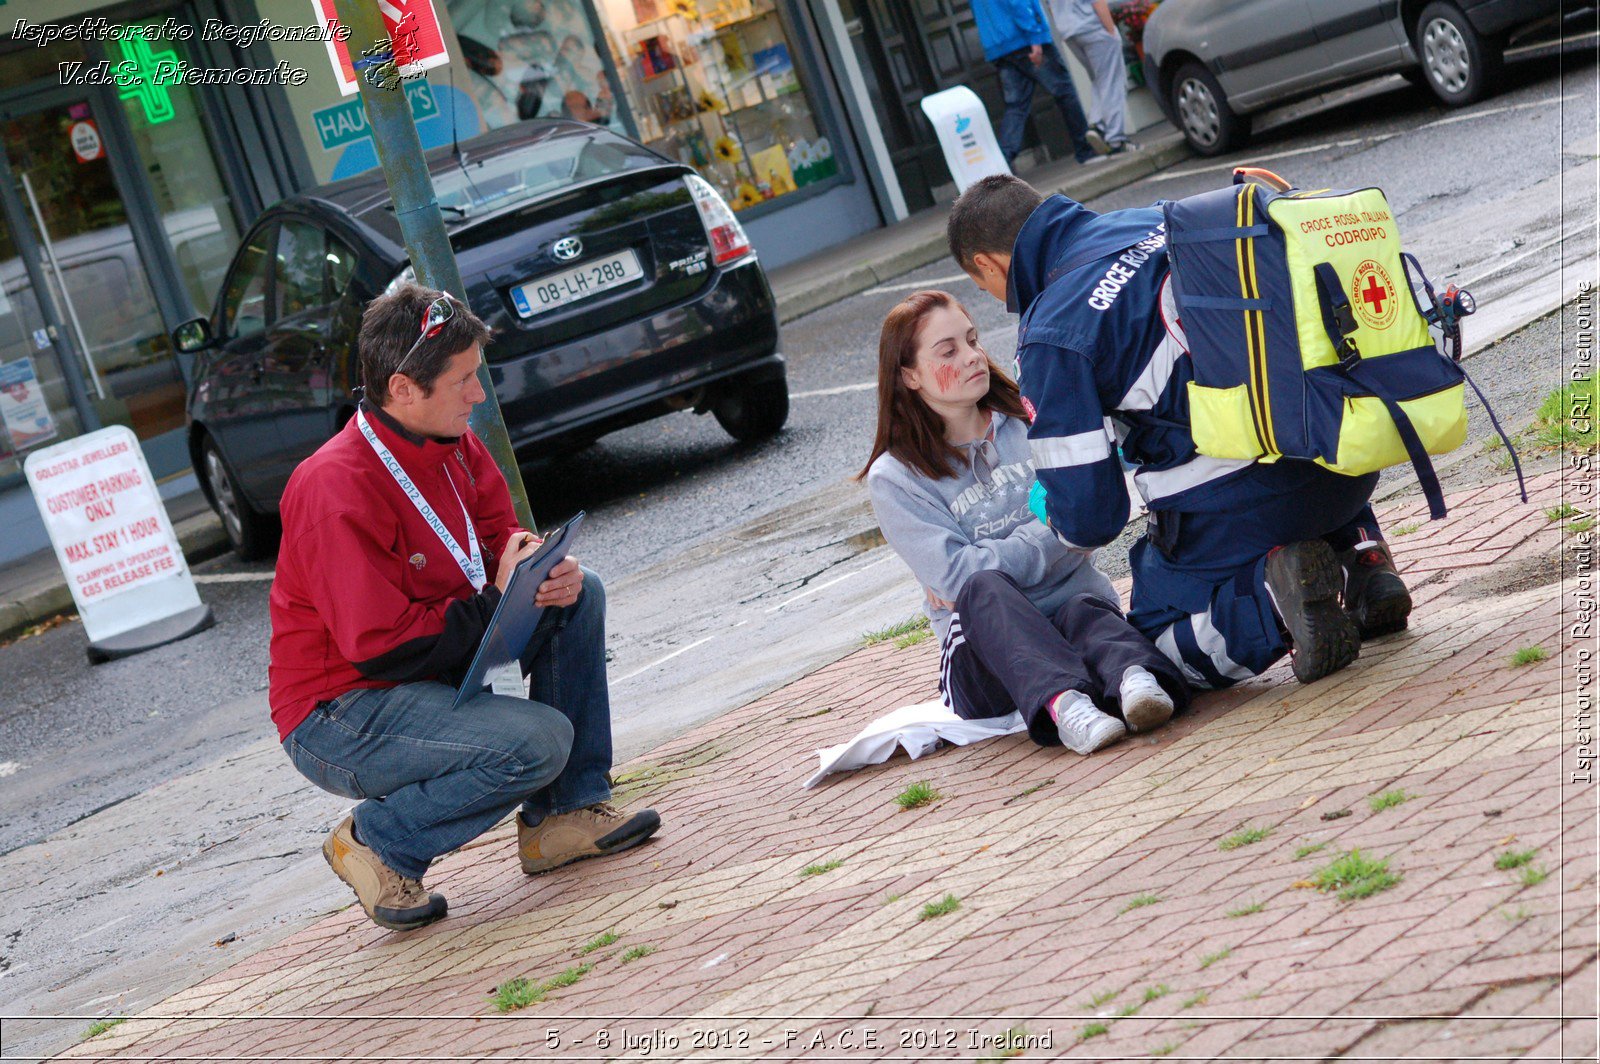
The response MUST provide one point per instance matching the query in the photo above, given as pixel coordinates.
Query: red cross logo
(1375, 294)
(1375, 302)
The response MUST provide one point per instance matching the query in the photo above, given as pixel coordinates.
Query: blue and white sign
(23, 409)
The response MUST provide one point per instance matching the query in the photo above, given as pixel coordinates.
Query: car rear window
(507, 179)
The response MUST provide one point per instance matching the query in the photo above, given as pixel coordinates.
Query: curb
(200, 538)
(799, 295)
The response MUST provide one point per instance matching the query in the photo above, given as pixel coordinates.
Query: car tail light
(728, 240)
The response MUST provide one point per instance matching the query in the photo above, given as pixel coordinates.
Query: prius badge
(567, 248)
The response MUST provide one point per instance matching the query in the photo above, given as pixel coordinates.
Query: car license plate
(580, 282)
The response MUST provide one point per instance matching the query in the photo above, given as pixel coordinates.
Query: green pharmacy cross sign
(143, 61)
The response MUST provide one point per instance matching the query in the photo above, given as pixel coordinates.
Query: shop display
(534, 59)
(715, 86)
(1130, 17)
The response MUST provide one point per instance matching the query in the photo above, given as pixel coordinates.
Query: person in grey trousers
(1089, 33)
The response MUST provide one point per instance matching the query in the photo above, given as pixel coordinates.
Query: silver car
(1213, 63)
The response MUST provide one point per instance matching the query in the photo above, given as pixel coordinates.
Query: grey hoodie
(948, 529)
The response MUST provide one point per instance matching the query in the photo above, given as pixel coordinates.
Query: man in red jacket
(381, 596)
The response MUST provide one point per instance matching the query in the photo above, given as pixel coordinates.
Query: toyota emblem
(567, 248)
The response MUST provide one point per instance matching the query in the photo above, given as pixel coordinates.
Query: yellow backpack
(1306, 334)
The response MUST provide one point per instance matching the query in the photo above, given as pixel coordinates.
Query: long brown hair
(907, 427)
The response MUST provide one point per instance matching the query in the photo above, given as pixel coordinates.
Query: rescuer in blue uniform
(1242, 561)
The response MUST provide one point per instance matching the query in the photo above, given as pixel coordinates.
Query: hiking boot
(388, 898)
(1374, 595)
(1304, 581)
(1081, 725)
(1145, 703)
(593, 831)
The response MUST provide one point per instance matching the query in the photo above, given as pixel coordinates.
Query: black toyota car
(618, 283)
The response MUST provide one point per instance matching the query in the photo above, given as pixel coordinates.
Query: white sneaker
(1145, 704)
(1082, 727)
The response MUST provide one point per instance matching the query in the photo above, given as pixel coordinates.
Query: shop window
(533, 59)
(181, 169)
(245, 304)
(715, 84)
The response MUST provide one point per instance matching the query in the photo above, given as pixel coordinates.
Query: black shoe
(1374, 595)
(1305, 582)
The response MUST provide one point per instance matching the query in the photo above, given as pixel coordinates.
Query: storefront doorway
(911, 48)
(58, 166)
(115, 226)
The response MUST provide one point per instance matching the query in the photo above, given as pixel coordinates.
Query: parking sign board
(115, 543)
(413, 28)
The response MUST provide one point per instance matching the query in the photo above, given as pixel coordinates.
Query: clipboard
(516, 617)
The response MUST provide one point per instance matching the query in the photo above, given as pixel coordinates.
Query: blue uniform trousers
(1199, 586)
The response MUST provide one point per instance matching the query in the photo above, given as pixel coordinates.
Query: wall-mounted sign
(346, 123)
(136, 76)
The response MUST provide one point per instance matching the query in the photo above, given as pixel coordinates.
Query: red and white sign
(110, 531)
(413, 28)
(86, 142)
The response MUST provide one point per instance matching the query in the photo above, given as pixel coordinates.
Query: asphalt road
(732, 568)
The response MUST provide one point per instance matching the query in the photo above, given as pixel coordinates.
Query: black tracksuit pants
(1001, 654)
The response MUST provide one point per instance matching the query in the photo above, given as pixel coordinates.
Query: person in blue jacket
(1017, 40)
(1242, 561)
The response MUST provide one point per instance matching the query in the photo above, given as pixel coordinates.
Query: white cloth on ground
(918, 729)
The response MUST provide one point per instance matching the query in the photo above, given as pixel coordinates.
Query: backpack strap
(1340, 322)
(1093, 254)
(1522, 485)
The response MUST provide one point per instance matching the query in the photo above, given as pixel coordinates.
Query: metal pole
(394, 133)
(61, 283)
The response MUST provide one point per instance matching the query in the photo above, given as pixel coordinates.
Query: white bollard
(962, 125)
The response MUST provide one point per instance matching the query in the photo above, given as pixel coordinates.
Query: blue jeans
(1199, 578)
(1018, 76)
(434, 779)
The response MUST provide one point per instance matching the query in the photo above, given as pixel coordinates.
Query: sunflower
(727, 150)
(687, 8)
(708, 102)
(748, 196)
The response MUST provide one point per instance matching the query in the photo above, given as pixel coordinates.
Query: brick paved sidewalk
(1157, 898)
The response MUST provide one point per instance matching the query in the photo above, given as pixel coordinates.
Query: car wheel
(753, 411)
(253, 535)
(1459, 64)
(1208, 123)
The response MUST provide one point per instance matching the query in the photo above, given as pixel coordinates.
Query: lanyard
(471, 565)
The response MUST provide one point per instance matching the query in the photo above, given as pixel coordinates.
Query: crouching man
(398, 538)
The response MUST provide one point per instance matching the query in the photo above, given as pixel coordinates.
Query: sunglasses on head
(439, 312)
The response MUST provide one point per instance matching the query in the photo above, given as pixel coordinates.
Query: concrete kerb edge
(200, 538)
(830, 289)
